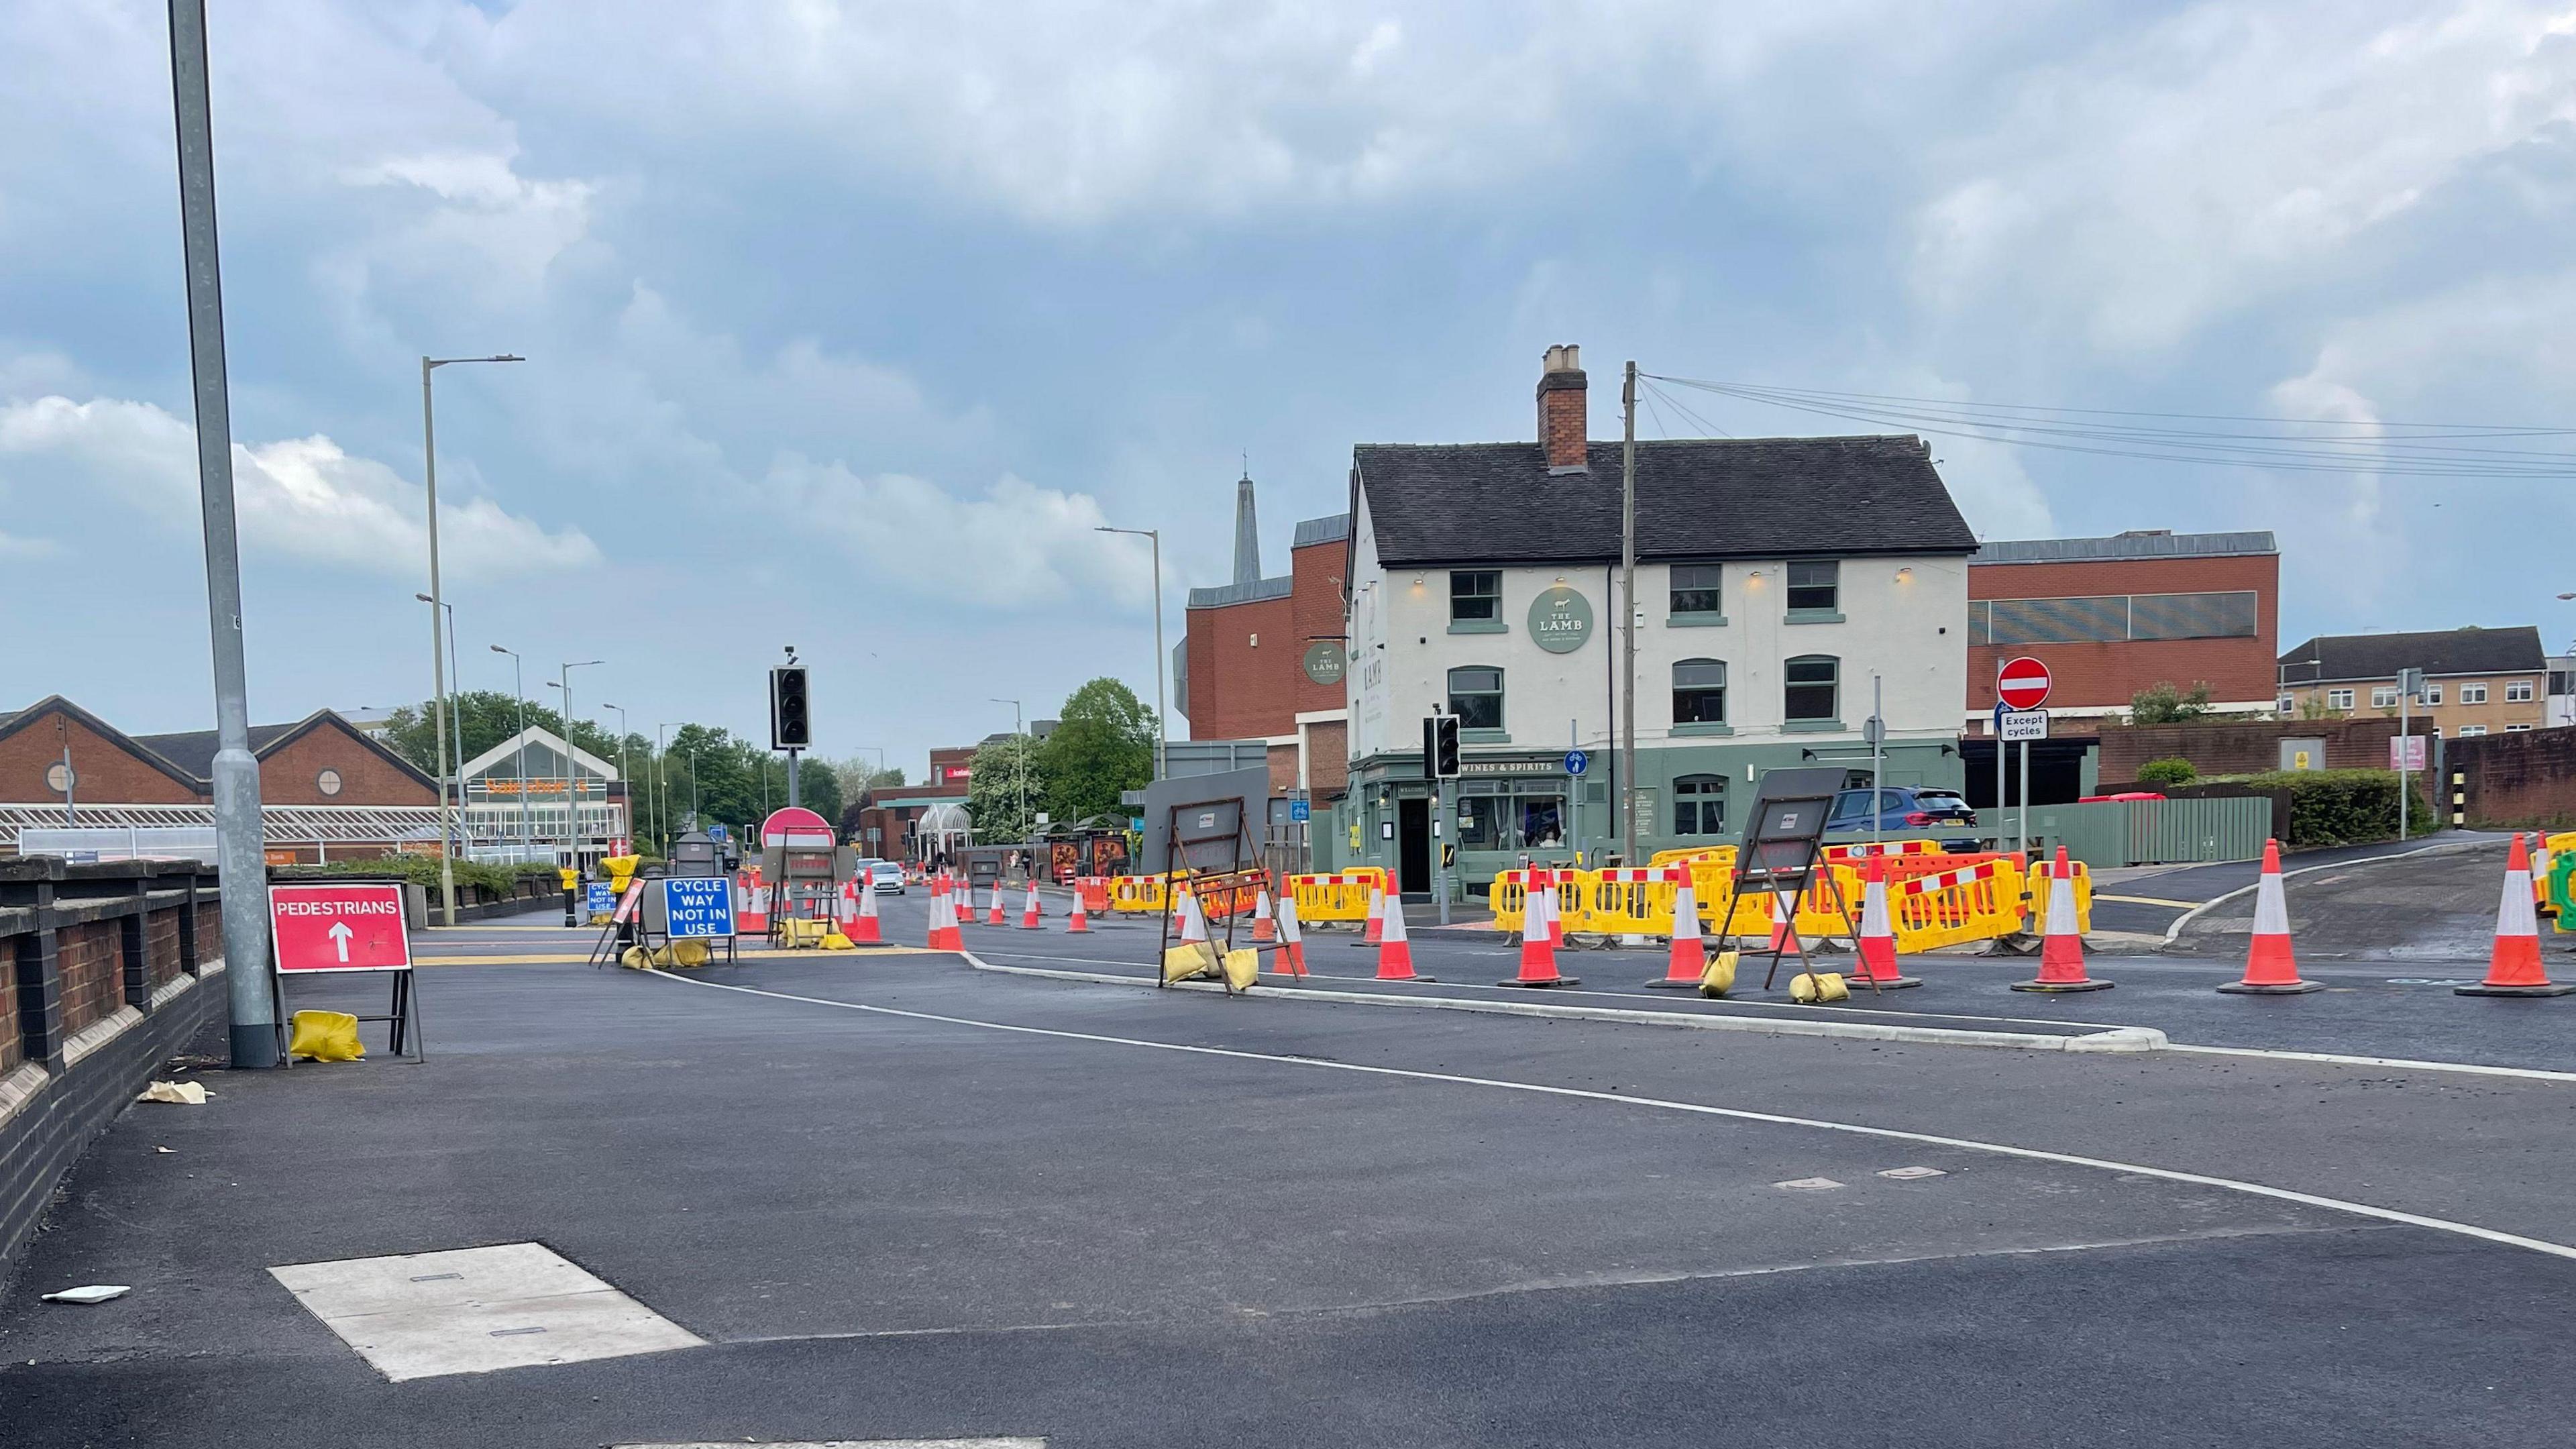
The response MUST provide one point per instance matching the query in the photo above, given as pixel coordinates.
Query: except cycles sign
(2022, 683)
(338, 928)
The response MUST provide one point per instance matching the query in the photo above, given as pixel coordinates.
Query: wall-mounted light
(1905, 576)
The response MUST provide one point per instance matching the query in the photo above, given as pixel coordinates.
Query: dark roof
(1332, 528)
(2440, 651)
(1696, 498)
(1251, 593)
(194, 750)
(2145, 543)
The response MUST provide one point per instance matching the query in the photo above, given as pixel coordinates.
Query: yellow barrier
(1625, 901)
(1974, 903)
(1339, 896)
(2039, 886)
(1135, 894)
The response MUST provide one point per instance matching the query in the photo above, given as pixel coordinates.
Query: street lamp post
(621, 770)
(438, 660)
(1162, 721)
(455, 718)
(572, 770)
(519, 691)
(662, 769)
(1020, 748)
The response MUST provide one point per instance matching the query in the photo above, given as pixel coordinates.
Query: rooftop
(2441, 652)
(2143, 543)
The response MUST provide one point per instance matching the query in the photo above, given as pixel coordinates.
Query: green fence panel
(2142, 832)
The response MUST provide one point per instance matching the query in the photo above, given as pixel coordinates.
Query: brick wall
(2514, 780)
(93, 974)
(1240, 690)
(161, 947)
(12, 1049)
(291, 775)
(210, 929)
(2249, 747)
(1328, 758)
(2102, 676)
(104, 769)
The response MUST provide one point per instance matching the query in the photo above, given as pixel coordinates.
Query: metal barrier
(1340, 896)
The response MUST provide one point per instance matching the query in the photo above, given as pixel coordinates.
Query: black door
(1413, 847)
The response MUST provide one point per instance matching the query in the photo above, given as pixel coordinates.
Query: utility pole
(1628, 607)
(250, 982)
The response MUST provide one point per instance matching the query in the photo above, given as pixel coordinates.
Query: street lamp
(621, 770)
(519, 690)
(1022, 766)
(572, 770)
(1162, 723)
(662, 768)
(437, 660)
(455, 719)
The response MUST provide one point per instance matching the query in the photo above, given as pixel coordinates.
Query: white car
(887, 875)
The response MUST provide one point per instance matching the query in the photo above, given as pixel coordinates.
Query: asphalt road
(1114, 1217)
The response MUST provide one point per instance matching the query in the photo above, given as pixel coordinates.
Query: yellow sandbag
(326, 1036)
(1190, 962)
(635, 958)
(1719, 978)
(835, 941)
(686, 953)
(1825, 986)
(1242, 968)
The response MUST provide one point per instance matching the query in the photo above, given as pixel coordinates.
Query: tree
(1102, 746)
(486, 717)
(2161, 703)
(994, 791)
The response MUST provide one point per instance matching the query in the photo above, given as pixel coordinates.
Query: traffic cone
(1877, 933)
(1264, 928)
(1292, 942)
(993, 915)
(945, 934)
(2270, 969)
(1029, 910)
(1376, 927)
(1784, 941)
(1538, 947)
(1394, 952)
(2513, 968)
(864, 930)
(1556, 912)
(1690, 950)
(1193, 955)
(2061, 946)
(1080, 923)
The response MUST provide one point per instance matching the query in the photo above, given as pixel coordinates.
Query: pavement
(899, 1197)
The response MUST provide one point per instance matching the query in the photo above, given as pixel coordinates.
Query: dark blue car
(1905, 812)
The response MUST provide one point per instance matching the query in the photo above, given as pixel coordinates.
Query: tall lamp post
(519, 691)
(1162, 721)
(662, 768)
(572, 770)
(621, 770)
(438, 659)
(455, 718)
(1021, 768)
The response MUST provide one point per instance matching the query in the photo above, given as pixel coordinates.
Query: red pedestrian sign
(2022, 683)
(326, 927)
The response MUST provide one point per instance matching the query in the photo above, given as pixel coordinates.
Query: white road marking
(473, 1310)
(1740, 1114)
(2174, 932)
(2529, 1074)
(1011, 1443)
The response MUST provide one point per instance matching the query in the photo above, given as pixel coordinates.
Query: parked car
(1905, 812)
(887, 875)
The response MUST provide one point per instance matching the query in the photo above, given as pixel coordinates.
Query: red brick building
(884, 821)
(2112, 616)
(1264, 658)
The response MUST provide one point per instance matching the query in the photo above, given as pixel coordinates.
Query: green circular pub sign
(1560, 620)
(1326, 663)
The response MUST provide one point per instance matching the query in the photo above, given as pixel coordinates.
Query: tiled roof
(2150, 544)
(2438, 652)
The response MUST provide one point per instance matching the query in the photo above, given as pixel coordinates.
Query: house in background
(2477, 681)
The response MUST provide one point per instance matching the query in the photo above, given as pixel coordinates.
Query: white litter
(94, 1293)
(1913, 1174)
(1806, 1184)
(185, 1094)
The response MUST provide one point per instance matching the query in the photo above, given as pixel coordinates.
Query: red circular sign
(2022, 683)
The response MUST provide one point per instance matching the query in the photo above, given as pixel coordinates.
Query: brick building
(327, 787)
(884, 821)
(2112, 616)
(1263, 658)
(2476, 681)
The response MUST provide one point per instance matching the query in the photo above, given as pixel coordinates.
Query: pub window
(1814, 688)
(1475, 594)
(1476, 697)
(1815, 584)
(1699, 692)
(1695, 589)
(1699, 805)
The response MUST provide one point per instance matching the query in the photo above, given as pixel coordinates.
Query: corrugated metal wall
(2144, 832)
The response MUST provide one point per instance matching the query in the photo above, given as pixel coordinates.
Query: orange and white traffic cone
(1376, 927)
(864, 929)
(2513, 966)
(2270, 968)
(993, 915)
(1690, 949)
(1394, 952)
(1878, 933)
(945, 934)
(1784, 941)
(1264, 929)
(1538, 944)
(2061, 946)
(1080, 923)
(1292, 942)
(1029, 910)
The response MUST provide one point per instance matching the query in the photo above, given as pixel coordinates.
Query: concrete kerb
(2173, 932)
(2117, 1039)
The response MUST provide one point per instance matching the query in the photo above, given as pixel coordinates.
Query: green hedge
(499, 880)
(2344, 807)
(2172, 770)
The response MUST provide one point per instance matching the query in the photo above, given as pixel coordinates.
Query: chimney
(1564, 414)
(1247, 535)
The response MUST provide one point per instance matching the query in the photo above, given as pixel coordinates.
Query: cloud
(14, 546)
(1019, 546)
(301, 497)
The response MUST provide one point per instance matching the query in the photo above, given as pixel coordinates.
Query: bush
(2168, 771)
(422, 870)
(2344, 807)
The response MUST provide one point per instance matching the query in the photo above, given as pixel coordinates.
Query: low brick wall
(2501, 781)
(106, 969)
(2248, 747)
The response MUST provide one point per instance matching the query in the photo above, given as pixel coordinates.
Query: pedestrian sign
(1300, 812)
(1576, 762)
(697, 908)
(338, 928)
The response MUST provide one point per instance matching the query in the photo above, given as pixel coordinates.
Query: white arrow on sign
(340, 934)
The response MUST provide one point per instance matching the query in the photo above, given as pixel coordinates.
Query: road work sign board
(697, 908)
(338, 928)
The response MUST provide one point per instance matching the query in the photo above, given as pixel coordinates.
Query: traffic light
(1440, 746)
(789, 727)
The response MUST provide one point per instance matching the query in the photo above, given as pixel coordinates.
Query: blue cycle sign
(1576, 762)
(1560, 620)
(697, 908)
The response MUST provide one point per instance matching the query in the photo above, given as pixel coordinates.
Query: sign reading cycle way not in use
(697, 908)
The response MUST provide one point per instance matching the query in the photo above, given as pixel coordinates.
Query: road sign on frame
(336, 926)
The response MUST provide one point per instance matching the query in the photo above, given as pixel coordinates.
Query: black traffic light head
(1440, 746)
(790, 728)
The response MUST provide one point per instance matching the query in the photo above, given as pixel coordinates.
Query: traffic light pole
(792, 799)
(1440, 844)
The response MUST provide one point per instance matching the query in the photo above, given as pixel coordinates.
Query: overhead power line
(2289, 444)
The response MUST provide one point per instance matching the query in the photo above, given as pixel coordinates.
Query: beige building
(2476, 681)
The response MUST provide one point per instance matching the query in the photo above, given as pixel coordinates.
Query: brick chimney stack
(1564, 412)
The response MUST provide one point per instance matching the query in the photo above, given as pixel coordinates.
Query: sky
(846, 324)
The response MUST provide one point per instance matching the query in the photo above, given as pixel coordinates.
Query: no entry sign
(2022, 683)
(338, 928)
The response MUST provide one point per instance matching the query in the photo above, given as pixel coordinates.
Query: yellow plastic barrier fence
(1136, 894)
(1338, 896)
(2038, 881)
(1859, 850)
(1510, 897)
(1626, 901)
(1977, 902)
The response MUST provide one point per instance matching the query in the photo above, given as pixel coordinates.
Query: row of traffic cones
(2513, 961)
